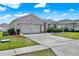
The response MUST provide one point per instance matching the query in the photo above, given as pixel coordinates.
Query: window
(49, 25)
(54, 25)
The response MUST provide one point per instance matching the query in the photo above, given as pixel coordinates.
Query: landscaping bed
(46, 52)
(17, 41)
(73, 35)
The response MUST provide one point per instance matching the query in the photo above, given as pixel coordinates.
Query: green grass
(73, 35)
(46, 52)
(17, 41)
(1, 33)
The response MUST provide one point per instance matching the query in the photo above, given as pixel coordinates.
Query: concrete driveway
(60, 45)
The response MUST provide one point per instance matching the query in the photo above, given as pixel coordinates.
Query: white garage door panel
(30, 28)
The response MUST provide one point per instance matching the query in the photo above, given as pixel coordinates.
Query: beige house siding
(42, 24)
(49, 24)
(17, 24)
(73, 24)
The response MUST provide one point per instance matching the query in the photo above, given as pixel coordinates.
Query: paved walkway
(23, 50)
(60, 45)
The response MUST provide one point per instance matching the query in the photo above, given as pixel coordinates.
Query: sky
(54, 11)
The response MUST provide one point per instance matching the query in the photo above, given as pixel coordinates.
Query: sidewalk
(23, 50)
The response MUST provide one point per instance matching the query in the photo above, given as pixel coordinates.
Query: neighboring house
(68, 24)
(31, 24)
(4, 27)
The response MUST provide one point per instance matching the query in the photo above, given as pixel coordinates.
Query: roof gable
(29, 19)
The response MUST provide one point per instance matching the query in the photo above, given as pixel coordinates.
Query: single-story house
(31, 24)
(4, 27)
(68, 24)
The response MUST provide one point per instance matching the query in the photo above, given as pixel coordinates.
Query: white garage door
(30, 28)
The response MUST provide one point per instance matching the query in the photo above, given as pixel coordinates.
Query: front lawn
(17, 41)
(73, 35)
(46, 52)
(1, 33)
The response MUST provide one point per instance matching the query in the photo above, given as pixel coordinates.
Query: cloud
(12, 16)
(72, 9)
(40, 5)
(54, 12)
(9, 17)
(64, 14)
(19, 15)
(5, 17)
(20, 12)
(56, 18)
(2, 8)
(46, 10)
(74, 14)
(15, 6)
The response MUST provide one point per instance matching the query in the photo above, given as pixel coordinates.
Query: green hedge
(11, 31)
(55, 30)
(49, 30)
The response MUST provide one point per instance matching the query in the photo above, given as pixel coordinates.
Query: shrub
(11, 31)
(14, 33)
(18, 31)
(55, 30)
(49, 30)
(60, 30)
(74, 30)
(66, 30)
